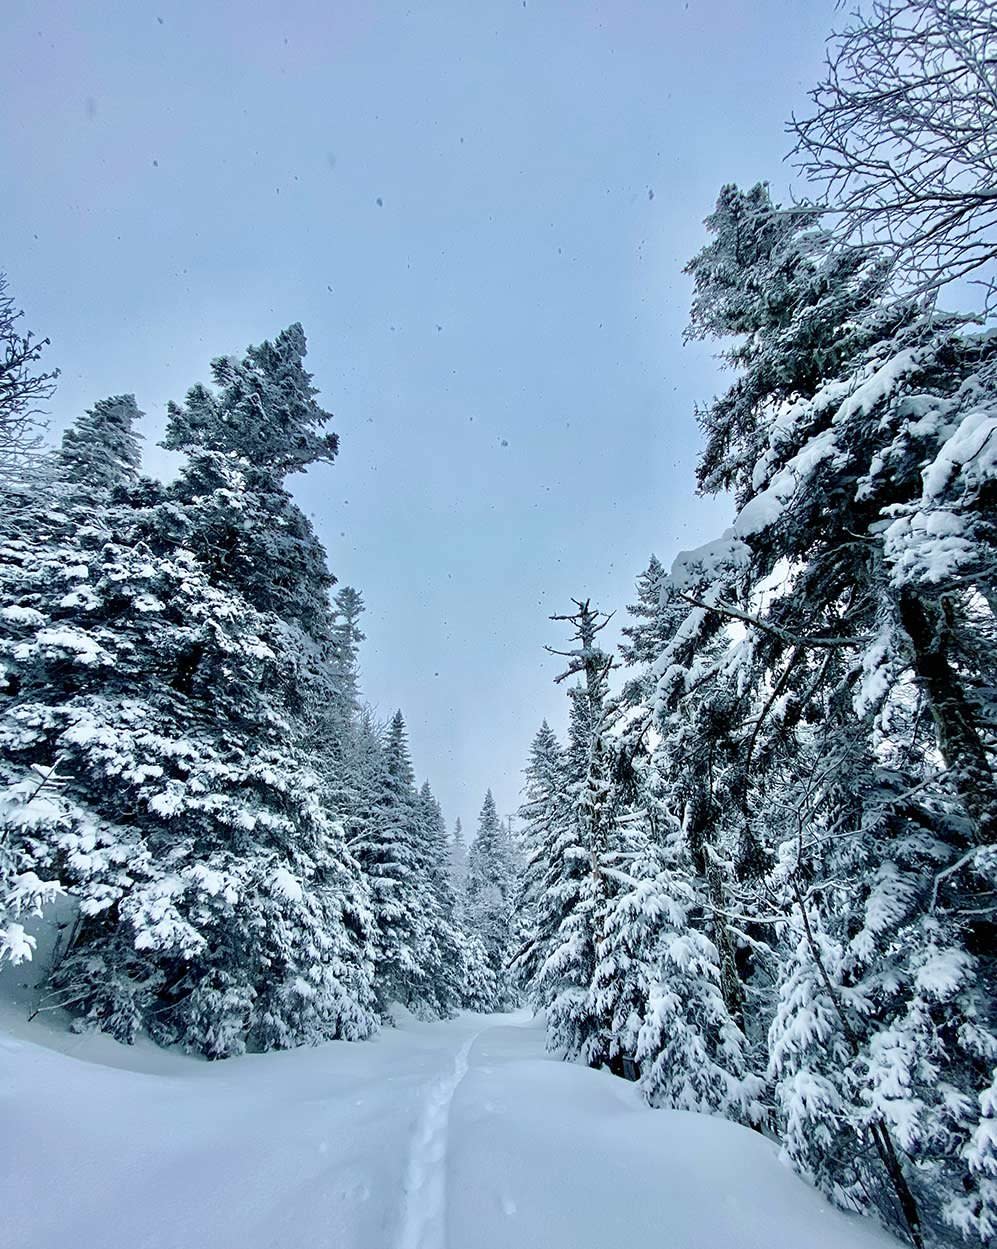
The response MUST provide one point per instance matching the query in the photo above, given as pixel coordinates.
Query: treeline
(183, 747)
(761, 875)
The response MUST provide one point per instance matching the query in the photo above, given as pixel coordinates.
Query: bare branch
(902, 142)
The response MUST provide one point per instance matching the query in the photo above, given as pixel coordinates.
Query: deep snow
(457, 1135)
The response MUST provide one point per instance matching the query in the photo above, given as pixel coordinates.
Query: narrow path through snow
(424, 1211)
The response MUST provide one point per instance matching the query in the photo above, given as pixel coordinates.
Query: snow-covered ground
(458, 1135)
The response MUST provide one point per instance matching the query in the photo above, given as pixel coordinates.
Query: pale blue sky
(479, 211)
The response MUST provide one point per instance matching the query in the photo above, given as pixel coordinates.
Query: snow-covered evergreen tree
(771, 860)
(458, 862)
(693, 1054)
(242, 440)
(797, 309)
(218, 902)
(348, 607)
(651, 624)
(569, 839)
(442, 950)
(491, 892)
(861, 597)
(263, 410)
(391, 857)
(546, 817)
(26, 802)
(101, 450)
(26, 501)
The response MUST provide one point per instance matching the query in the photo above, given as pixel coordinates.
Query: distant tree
(24, 387)
(348, 607)
(491, 888)
(546, 815)
(458, 861)
(335, 720)
(101, 450)
(391, 856)
(560, 955)
(647, 635)
(455, 968)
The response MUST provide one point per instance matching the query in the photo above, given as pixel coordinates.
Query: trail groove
(424, 1208)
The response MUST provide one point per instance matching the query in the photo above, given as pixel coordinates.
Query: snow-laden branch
(794, 639)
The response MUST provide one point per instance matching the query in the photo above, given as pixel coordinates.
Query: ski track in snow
(424, 1212)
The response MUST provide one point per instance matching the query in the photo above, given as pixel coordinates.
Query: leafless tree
(24, 387)
(902, 141)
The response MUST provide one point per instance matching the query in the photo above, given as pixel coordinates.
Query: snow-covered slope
(459, 1135)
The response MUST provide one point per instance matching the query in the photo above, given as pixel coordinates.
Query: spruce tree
(458, 862)
(560, 955)
(219, 905)
(233, 509)
(101, 450)
(546, 816)
(491, 888)
(856, 569)
(442, 947)
(651, 628)
(389, 853)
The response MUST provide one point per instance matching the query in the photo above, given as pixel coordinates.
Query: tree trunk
(730, 977)
(959, 739)
(697, 817)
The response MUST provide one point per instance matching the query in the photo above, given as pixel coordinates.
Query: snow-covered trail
(456, 1135)
(424, 1210)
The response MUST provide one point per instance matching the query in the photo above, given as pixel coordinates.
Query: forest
(756, 876)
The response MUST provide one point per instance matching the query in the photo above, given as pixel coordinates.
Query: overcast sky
(479, 211)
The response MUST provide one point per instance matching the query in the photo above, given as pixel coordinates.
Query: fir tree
(829, 562)
(219, 905)
(390, 855)
(560, 955)
(547, 817)
(798, 309)
(234, 510)
(101, 450)
(264, 411)
(458, 862)
(348, 607)
(652, 624)
(26, 498)
(491, 886)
